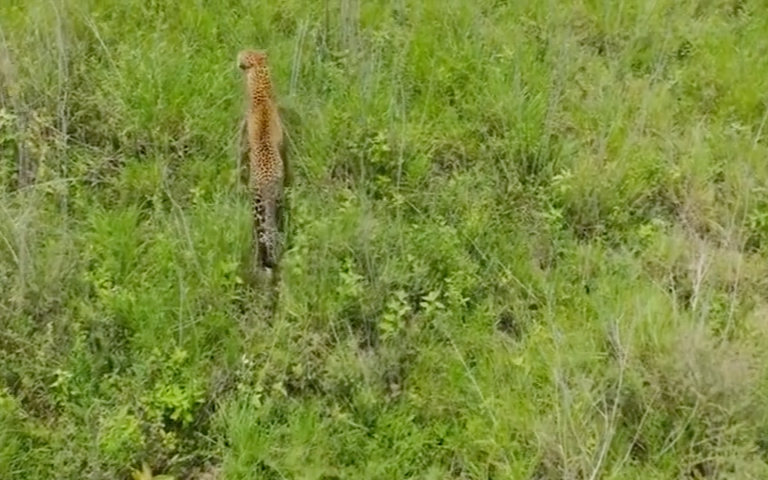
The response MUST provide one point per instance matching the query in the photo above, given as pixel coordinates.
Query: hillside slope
(528, 240)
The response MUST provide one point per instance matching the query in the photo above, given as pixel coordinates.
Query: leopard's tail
(267, 231)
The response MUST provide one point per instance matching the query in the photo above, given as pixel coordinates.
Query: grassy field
(528, 240)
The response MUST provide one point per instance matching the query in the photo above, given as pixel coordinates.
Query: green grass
(528, 240)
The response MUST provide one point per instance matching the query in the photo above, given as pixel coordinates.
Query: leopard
(263, 149)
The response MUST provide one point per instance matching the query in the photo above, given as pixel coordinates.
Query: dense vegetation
(528, 240)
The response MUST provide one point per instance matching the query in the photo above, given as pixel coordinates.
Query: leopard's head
(247, 59)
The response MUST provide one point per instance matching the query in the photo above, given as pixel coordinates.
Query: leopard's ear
(242, 61)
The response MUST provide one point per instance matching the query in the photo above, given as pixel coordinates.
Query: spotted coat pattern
(264, 135)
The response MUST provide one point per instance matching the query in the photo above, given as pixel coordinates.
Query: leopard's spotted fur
(264, 134)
